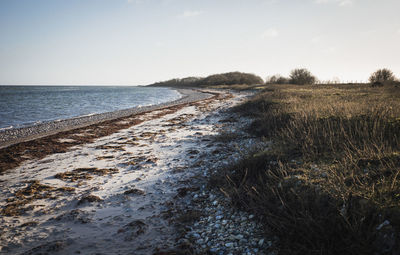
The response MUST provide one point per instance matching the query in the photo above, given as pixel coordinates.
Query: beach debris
(29, 224)
(89, 199)
(84, 173)
(105, 157)
(66, 189)
(193, 151)
(152, 160)
(110, 147)
(16, 205)
(179, 169)
(74, 215)
(47, 248)
(133, 229)
(184, 191)
(134, 192)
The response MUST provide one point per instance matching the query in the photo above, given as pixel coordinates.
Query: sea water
(27, 105)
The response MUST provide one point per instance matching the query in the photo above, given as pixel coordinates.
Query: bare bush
(277, 79)
(382, 76)
(302, 76)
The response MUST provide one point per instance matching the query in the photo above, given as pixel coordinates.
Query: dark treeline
(232, 78)
(299, 76)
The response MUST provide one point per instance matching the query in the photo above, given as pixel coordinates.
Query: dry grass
(330, 182)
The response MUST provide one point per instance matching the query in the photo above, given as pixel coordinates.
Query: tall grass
(330, 182)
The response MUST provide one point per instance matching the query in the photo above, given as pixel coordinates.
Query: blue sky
(131, 42)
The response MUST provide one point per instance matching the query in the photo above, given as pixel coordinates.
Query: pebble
(195, 235)
(229, 245)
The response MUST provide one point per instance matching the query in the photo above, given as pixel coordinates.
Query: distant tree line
(232, 78)
(299, 76)
(184, 82)
(302, 76)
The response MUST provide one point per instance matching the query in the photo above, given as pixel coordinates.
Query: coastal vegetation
(244, 81)
(329, 182)
(382, 76)
(231, 78)
(299, 76)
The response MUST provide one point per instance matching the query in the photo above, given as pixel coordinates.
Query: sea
(22, 106)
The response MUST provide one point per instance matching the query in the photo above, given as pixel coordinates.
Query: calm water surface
(26, 105)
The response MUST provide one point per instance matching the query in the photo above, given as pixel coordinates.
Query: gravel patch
(224, 230)
(215, 225)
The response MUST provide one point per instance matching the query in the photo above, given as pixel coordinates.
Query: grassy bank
(329, 183)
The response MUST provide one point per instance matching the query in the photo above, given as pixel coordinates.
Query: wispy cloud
(188, 14)
(341, 3)
(270, 33)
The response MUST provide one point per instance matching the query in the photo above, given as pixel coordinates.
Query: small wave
(87, 115)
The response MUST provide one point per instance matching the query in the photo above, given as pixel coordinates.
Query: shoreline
(26, 146)
(127, 191)
(14, 136)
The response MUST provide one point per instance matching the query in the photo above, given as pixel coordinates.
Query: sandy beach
(111, 194)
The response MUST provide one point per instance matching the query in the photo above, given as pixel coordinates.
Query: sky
(138, 42)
